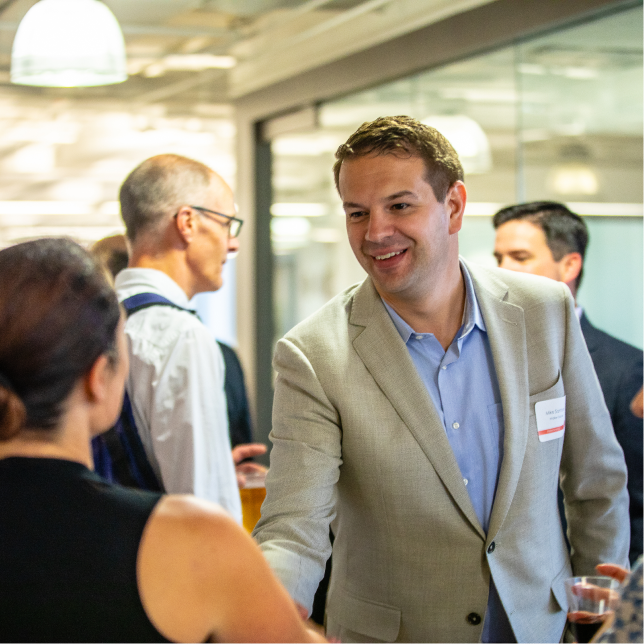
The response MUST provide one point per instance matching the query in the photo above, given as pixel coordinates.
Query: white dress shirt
(176, 385)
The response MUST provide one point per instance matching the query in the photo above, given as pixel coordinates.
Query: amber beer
(252, 496)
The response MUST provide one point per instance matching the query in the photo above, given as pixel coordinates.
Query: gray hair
(158, 187)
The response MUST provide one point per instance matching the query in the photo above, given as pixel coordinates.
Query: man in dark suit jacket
(545, 238)
(619, 369)
(239, 425)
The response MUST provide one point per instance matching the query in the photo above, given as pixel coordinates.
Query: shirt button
(444, 367)
(465, 481)
(455, 425)
(419, 337)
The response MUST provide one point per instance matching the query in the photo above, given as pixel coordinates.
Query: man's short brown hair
(403, 135)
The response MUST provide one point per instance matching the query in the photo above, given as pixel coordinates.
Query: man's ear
(455, 202)
(571, 267)
(97, 379)
(186, 223)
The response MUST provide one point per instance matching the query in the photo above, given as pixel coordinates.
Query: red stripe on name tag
(551, 430)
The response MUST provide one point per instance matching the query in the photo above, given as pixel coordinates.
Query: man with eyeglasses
(181, 225)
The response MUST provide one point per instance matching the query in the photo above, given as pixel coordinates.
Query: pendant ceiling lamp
(68, 43)
(467, 137)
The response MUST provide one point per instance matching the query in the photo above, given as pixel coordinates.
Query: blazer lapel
(506, 332)
(386, 357)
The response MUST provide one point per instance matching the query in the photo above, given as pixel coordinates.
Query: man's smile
(388, 255)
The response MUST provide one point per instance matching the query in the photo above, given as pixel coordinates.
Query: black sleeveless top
(68, 548)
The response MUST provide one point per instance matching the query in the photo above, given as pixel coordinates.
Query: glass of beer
(591, 602)
(252, 496)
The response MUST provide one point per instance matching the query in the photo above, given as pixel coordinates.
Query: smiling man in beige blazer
(424, 416)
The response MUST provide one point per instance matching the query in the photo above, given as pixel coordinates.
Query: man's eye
(356, 214)
(399, 206)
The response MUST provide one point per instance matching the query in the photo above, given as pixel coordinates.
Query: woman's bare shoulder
(186, 507)
(202, 577)
(182, 562)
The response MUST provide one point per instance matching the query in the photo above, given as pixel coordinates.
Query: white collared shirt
(176, 385)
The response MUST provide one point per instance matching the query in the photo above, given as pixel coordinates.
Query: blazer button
(490, 548)
(474, 619)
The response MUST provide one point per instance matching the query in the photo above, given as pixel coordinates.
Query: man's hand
(612, 570)
(304, 614)
(241, 453)
(315, 630)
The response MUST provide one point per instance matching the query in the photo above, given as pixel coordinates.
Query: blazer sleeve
(593, 471)
(304, 469)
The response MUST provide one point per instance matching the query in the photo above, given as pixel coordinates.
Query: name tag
(551, 418)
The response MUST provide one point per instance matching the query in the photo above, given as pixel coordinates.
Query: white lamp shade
(68, 43)
(468, 139)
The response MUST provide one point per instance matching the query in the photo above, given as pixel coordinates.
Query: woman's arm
(201, 577)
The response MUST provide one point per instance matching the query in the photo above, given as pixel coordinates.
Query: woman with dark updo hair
(80, 559)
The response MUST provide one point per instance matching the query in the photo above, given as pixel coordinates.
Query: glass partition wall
(581, 139)
(557, 117)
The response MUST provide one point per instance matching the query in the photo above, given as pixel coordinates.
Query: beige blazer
(358, 444)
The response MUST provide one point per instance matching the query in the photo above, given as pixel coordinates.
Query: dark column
(263, 288)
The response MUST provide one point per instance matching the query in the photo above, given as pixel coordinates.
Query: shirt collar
(472, 315)
(131, 281)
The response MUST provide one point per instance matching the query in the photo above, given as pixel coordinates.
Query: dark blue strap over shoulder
(141, 301)
(119, 455)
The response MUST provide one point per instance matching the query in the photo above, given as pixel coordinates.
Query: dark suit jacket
(619, 369)
(238, 414)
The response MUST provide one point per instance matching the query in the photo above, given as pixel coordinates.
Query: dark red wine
(584, 625)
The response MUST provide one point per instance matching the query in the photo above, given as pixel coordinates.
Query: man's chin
(211, 286)
(388, 287)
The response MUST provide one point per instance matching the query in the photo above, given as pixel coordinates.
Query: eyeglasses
(233, 224)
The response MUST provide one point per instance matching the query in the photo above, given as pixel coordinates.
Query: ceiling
(269, 40)
(154, 30)
(65, 151)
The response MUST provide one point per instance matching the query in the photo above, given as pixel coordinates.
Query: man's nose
(233, 244)
(379, 227)
(503, 262)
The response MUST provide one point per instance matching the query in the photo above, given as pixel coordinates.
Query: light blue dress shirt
(463, 386)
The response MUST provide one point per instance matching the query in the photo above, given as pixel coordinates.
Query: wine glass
(591, 601)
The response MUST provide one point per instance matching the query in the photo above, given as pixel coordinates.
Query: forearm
(293, 532)
(301, 494)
